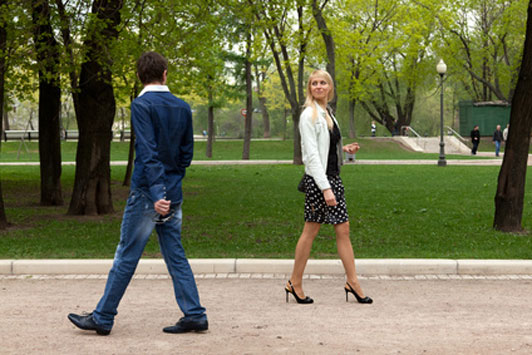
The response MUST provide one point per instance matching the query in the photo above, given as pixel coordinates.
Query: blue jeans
(137, 226)
(497, 147)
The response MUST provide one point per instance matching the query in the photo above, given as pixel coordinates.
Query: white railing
(451, 132)
(406, 129)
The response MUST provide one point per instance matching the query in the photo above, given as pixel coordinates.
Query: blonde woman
(321, 145)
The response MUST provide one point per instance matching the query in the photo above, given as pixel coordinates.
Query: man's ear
(165, 73)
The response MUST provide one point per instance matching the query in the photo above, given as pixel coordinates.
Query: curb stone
(367, 267)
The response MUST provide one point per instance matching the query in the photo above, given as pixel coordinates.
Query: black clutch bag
(301, 185)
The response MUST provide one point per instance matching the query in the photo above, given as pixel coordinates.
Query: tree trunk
(285, 110)
(131, 152)
(328, 40)
(262, 104)
(5, 117)
(210, 126)
(512, 176)
(130, 157)
(248, 119)
(298, 157)
(47, 50)
(3, 45)
(92, 185)
(404, 116)
(352, 105)
(265, 117)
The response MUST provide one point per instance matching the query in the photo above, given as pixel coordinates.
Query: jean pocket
(133, 197)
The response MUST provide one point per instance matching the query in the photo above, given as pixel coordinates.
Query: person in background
(373, 129)
(475, 139)
(497, 139)
(321, 147)
(505, 132)
(164, 148)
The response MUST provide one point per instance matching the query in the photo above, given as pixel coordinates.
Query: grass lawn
(227, 150)
(14, 151)
(256, 211)
(487, 145)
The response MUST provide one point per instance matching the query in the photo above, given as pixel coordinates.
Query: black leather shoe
(87, 323)
(186, 325)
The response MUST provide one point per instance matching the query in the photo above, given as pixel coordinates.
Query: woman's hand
(328, 195)
(351, 148)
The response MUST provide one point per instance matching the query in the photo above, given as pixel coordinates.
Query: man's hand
(162, 207)
(328, 195)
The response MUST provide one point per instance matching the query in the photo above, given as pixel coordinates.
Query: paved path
(250, 316)
(371, 267)
(465, 162)
(471, 162)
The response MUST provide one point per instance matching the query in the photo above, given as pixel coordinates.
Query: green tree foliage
(482, 44)
(328, 41)
(287, 29)
(384, 55)
(199, 55)
(71, 22)
(15, 54)
(20, 84)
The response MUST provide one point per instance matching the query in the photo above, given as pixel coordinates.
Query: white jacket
(315, 141)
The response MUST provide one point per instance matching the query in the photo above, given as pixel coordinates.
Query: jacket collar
(320, 109)
(154, 88)
(321, 112)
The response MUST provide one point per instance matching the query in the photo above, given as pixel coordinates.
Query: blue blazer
(164, 143)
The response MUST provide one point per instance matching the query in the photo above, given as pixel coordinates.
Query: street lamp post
(441, 68)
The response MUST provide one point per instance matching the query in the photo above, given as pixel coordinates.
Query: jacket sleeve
(187, 144)
(309, 149)
(146, 150)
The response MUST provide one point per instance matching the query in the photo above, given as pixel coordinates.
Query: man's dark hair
(150, 67)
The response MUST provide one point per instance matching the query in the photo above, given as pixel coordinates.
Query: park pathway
(248, 314)
(462, 162)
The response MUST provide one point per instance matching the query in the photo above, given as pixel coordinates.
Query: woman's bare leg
(345, 251)
(303, 247)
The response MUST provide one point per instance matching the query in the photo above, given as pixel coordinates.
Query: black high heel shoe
(305, 300)
(359, 299)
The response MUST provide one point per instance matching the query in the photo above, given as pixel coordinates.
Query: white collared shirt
(155, 88)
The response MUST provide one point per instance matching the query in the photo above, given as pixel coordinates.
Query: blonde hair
(309, 100)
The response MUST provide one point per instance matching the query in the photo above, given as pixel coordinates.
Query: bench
(18, 134)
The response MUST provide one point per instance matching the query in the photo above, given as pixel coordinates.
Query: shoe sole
(180, 331)
(98, 331)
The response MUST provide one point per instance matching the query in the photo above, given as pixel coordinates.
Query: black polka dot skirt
(316, 210)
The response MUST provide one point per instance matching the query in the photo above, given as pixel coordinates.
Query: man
(164, 146)
(505, 132)
(373, 128)
(475, 139)
(497, 139)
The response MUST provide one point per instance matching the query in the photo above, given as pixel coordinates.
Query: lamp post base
(441, 160)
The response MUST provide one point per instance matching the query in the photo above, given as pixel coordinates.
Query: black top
(475, 135)
(332, 161)
(497, 136)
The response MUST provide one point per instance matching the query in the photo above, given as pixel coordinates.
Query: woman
(321, 145)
